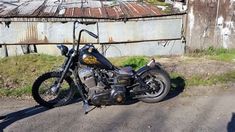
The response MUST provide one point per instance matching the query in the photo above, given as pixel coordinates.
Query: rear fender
(148, 68)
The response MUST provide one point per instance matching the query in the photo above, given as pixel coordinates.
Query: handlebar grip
(92, 34)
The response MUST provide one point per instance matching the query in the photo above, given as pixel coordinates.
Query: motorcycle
(97, 80)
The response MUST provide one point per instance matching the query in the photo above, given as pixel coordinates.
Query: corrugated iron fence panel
(49, 32)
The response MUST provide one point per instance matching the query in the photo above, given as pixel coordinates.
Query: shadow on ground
(231, 124)
(177, 87)
(8, 119)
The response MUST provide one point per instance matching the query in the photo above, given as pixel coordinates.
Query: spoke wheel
(47, 93)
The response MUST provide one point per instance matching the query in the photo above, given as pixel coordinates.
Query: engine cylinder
(87, 77)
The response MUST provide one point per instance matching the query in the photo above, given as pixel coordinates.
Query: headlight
(64, 50)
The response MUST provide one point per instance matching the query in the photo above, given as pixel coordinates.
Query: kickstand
(87, 108)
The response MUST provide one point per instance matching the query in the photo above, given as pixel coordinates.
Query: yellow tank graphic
(89, 59)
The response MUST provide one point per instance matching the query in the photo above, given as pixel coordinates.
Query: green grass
(159, 3)
(219, 54)
(18, 73)
(135, 62)
(207, 81)
(18, 92)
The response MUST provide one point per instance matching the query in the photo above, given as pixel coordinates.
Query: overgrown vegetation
(160, 3)
(18, 73)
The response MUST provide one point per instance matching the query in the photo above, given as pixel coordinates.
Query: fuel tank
(90, 56)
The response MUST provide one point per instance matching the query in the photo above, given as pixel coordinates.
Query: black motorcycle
(97, 80)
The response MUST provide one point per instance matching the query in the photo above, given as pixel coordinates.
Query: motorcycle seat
(126, 71)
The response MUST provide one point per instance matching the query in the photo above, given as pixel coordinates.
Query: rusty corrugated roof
(89, 9)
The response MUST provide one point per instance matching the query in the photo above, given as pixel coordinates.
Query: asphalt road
(207, 112)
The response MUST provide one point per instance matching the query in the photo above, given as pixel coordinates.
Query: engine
(104, 88)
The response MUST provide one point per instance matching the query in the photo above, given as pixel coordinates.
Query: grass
(207, 81)
(160, 3)
(18, 92)
(17, 74)
(212, 80)
(135, 62)
(157, 2)
(219, 54)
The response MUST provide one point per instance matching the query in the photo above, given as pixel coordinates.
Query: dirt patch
(209, 90)
(196, 66)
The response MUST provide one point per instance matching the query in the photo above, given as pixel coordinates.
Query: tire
(163, 78)
(64, 95)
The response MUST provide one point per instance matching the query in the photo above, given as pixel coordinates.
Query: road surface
(197, 109)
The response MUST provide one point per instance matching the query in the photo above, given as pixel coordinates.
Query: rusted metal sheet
(80, 9)
(27, 9)
(51, 8)
(109, 32)
(7, 6)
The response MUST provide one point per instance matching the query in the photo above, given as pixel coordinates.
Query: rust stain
(110, 39)
(83, 41)
(120, 10)
(31, 36)
(66, 41)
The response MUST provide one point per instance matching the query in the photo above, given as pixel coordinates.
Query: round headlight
(64, 50)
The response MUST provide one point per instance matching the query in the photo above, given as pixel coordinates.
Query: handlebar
(79, 38)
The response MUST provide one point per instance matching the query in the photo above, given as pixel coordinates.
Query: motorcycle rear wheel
(159, 83)
(42, 90)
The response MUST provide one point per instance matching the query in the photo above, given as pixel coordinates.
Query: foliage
(135, 62)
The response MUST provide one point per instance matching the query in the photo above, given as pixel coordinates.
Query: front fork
(64, 71)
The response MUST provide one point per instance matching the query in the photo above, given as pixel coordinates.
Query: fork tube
(74, 34)
(65, 70)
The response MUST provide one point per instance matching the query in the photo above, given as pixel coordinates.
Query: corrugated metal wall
(156, 36)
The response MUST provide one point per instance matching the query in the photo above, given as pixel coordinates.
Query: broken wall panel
(210, 24)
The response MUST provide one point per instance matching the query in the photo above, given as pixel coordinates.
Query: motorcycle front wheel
(44, 93)
(158, 81)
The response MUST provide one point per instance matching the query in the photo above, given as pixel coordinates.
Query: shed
(124, 27)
